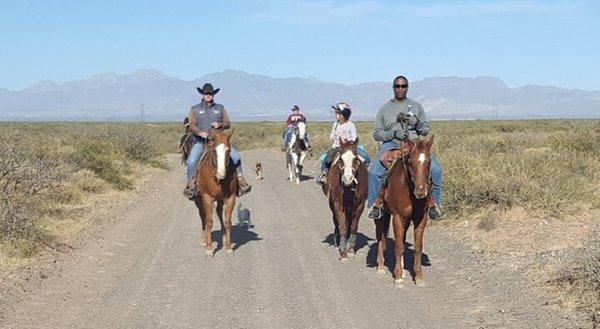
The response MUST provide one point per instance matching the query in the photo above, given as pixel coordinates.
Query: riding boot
(375, 211)
(243, 187)
(434, 210)
(190, 190)
(322, 179)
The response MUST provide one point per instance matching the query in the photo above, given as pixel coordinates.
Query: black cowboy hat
(208, 89)
(295, 108)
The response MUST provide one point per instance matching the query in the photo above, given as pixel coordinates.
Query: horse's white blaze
(348, 159)
(421, 158)
(301, 130)
(221, 149)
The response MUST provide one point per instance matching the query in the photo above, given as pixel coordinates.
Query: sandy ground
(147, 270)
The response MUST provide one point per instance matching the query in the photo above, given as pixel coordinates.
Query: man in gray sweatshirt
(390, 132)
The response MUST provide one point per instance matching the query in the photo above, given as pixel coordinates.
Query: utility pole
(143, 112)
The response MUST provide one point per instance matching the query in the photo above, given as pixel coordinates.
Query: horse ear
(430, 141)
(211, 134)
(229, 132)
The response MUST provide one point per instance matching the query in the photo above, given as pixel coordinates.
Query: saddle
(389, 158)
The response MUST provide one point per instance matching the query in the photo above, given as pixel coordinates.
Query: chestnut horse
(406, 199)
(296, 152)
(346, 189)
(216, 180)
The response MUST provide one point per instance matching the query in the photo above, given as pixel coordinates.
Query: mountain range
(154, 96)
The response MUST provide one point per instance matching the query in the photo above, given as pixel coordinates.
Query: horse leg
(336, 230)
(290, 167)
(301, 163)
(296, 176)
(381, 232)
(198, 203)
(343, 229)
(354, 226)
(219, 210)
(207, 202)
(229, 206)
(398, 223)
(419, 231)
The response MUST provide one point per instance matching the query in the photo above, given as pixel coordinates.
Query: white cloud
(343, 13)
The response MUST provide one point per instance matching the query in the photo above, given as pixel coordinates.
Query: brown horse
(296, 152)
(216, 180)
(346, 189)
(406, 199)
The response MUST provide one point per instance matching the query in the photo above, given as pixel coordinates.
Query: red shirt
(293, 119)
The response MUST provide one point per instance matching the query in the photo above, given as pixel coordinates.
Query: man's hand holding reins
(400, 134)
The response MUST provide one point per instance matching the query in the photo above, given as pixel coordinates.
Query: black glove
(400, 134)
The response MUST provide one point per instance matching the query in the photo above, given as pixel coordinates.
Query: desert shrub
(136, 144)
(27, 180)
(104, 159)
(578, 274)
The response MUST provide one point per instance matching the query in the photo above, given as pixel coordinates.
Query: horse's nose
(347, 179)
(420, 192)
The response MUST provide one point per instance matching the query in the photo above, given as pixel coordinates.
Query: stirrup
(189, 193)
(322, 179)
(375, 212)
(434, 212)
(244, 190)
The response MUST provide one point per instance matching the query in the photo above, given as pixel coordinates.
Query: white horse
(296, 152)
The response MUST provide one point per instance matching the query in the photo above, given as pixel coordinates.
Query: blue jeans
(377, 172)
(196, 152)
(326, 162)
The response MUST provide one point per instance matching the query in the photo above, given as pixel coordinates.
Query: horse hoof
(210, 253)
(399, 284)
(351, 254)
(420, 282)
(229, 252)
(381, 271)
(399, 280)
(343, 259)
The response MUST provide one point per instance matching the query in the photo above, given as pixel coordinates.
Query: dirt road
(149, 271)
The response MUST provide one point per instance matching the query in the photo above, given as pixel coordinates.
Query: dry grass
(45, 168)
(578, 274)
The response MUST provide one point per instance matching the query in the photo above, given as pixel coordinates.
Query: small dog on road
(258, 170)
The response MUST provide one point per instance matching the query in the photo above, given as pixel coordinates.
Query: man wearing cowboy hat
(204, 117)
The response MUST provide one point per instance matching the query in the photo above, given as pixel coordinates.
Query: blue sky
(521, 42)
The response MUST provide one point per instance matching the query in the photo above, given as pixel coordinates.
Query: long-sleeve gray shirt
(386, 123)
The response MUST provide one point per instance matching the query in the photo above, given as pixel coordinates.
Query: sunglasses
(404, 86)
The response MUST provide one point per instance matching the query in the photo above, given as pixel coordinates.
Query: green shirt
(386, 124)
